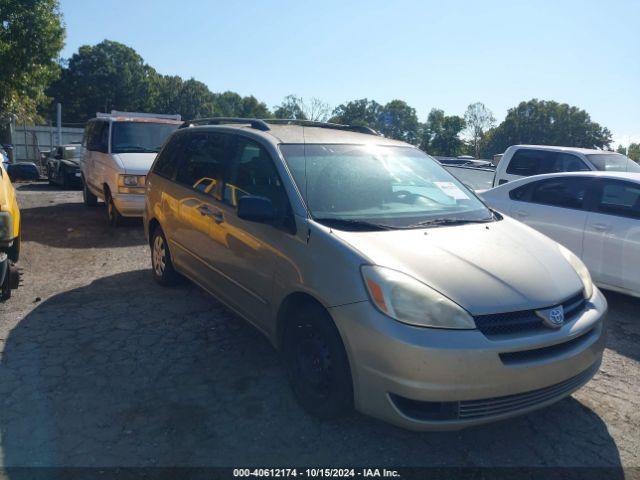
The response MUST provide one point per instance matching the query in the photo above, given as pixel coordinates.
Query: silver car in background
(385, 282)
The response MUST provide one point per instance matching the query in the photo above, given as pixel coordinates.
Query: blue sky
(443, 54)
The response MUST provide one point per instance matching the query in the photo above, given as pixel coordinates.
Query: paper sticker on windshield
(452, 190)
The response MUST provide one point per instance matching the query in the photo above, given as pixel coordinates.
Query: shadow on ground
(125, 373)
(624, 333)
(74, 225)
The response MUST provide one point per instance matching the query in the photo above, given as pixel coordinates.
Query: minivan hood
(485, 268)
(135, 163)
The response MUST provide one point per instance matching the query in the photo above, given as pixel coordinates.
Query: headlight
(6, 227)
(580, 269)
(131, 184)
(408, 300)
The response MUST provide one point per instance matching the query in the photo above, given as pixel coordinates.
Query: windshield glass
(128, 137)
(398, 187)
(70, 153)
(613, 162)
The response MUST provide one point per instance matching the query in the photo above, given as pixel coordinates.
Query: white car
(594, 214)
(118, 150)
(521, 161)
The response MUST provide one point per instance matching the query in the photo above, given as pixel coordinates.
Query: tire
(113, 215)
(161, 263)
(65, 179)
(89, 198)
(5, 287)
(51, 182)
(317, 363)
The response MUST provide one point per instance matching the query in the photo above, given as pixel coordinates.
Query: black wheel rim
(313, 366)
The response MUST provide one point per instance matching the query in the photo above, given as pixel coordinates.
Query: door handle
(207, 212)
(602, 227)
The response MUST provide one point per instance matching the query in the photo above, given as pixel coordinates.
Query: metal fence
(29, 141)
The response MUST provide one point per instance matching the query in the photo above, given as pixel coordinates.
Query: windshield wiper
(353, 223)
(438, 222)
(135, 148)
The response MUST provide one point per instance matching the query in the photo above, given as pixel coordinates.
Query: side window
(527, 162)
(561, 192)
(520, 193)
(254, 173)
(165, 164)
(566, 162)
(204, 158)
(620, 198)
(98, 137)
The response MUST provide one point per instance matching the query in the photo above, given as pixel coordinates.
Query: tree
(478, 120)
(363, 112)
(632, 151)
(543, 122)
(399, 121)
(230, 104)
(441, 134)
(103, 77)
(31, 37)
(292, 107)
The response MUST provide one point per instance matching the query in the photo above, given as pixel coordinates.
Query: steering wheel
(406, 196)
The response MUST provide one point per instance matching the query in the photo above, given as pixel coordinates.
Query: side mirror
(256, 209)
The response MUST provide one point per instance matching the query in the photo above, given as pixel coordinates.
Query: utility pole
(59, 122)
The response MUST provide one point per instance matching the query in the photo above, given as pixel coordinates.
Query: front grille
(488, 407)
(514, 358)
(524, 320)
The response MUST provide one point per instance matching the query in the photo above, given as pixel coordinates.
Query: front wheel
(113, 215)
(161, 263)
(317, 363)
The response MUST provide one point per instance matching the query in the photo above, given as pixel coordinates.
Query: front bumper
(436, 379)
(129, 205)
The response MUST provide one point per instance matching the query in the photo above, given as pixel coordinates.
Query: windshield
(613, 162)
(128, 137)
(392, 187)
(70, 153)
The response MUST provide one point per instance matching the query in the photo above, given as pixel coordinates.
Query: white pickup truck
(118, 150)
(521, 161)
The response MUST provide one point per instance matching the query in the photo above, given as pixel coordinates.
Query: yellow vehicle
(9, 236)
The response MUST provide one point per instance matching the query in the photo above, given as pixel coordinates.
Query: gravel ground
(102, 367)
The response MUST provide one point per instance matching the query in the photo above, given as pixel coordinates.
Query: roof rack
(263, 125)
(253, 122)
(335, 126)
(116, 113)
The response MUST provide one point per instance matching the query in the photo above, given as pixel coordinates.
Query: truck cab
(520, 161)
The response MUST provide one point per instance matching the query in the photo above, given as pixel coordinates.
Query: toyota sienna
(385, 282)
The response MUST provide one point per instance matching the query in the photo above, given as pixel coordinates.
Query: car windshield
(379, 187)
(69, 153)
(129, 137)
(613, 162)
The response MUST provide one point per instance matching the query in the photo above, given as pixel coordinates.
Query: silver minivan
(385, 282)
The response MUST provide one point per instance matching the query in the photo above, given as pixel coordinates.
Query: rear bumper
(129, 205)
(434, 379)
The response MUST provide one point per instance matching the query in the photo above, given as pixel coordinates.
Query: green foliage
(31, 37)
(543, 122)
(363, 112)
(478, 120)
(230, 104)
(399, 121)
(632, 151)
(441, 134)
(292, 107)
(103, 77)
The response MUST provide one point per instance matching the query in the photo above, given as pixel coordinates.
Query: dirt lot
(102, 367)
